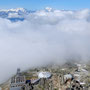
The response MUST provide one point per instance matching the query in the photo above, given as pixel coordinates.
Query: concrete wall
(15, 88)
(0, 88)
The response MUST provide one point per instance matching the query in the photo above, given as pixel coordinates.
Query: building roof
(44, 75)
(68, 76)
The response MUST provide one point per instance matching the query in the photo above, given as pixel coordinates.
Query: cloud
(42, 38)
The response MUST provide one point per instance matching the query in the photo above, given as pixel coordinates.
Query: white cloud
(43, 37)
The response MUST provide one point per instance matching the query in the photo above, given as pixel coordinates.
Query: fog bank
(43, 37)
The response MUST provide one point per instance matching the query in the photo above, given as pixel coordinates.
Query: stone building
(17, 81)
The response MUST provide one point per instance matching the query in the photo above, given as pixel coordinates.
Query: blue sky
(40, 4)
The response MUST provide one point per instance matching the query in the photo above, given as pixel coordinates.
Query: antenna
(18, 71)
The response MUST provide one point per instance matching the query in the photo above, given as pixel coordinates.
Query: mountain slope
(14, 14)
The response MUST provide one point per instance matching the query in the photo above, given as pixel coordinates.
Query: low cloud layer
(43, 37)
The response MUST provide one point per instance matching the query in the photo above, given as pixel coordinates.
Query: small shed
(68, 77)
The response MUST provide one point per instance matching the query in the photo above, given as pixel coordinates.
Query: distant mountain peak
(14, 10)
(49, 9)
